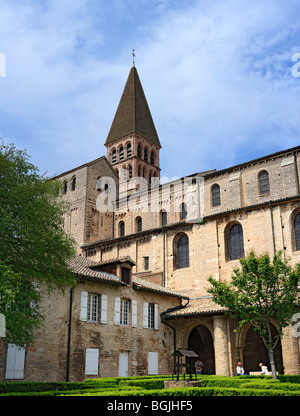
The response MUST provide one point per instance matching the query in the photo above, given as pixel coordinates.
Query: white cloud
(217, 76)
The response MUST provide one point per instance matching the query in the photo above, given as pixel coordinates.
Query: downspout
(69, 335)
(164, 260)
(163, 320)
(272, 223)
(297, 173)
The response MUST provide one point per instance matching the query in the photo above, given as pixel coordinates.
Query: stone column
(221, 346)
(290, 352)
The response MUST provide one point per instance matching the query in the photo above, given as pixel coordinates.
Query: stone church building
(145, 252)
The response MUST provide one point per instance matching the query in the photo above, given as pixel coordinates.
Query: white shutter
(134, 314)
(155, 316)
(20, 361)
(91, 361)
(10, 361)
(145, 315)
(153, 363)
(103, 309)
(117, 310)
(15, 361)
(2, 326)
(83, 306)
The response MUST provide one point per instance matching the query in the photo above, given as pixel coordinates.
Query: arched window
(146, 154)
(152, 158)
(114, 156)
(264, 184)
(121, 153)
(183, 211)
(65, 187)
(297, 231)
(139, 224)
(121, 229)
(215, 196)
(164, 217)
(182, 252)
(73, 183)
(128, 150)
(235, 242)
(139, 150)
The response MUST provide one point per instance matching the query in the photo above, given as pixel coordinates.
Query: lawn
(154, 386)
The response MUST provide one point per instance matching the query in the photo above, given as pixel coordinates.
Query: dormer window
(125, 275)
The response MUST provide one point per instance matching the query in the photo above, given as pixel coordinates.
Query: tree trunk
(272, 363)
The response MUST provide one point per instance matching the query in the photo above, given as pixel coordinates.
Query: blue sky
(217, 76)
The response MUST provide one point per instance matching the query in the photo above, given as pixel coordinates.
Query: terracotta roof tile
(82, 267)
(200, 306)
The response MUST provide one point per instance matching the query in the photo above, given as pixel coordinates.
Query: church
(145, 251)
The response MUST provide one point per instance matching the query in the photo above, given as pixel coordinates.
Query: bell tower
(132, 143)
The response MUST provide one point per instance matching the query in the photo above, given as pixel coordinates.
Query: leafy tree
(259, 292)
(34, 249)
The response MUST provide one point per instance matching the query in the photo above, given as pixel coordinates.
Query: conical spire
(133, 114)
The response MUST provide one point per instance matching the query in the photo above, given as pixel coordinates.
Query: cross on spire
(133, 56)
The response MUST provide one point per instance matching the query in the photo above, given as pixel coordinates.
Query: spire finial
(133, 56)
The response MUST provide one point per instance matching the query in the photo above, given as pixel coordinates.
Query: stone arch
(201, 341)
(252, 350)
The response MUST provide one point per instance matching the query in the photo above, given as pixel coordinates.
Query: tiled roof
(133, 114)
(116, 260)
(153, 287)
(200, 306)
(81, 267)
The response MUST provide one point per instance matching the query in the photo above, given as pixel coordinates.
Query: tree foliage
(33, 245)
(260, 292)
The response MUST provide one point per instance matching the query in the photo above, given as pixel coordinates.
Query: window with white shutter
(124, 316)
(91, 361)
(15, 361)
(150, 318)
(91, 306)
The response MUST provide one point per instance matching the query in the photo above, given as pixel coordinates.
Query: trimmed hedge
(200, 391)
(39, 386)
(154, 386)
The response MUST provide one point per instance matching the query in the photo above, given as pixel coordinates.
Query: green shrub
(274, 385)
(38, 386)
(205, 391)
(289, 379)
